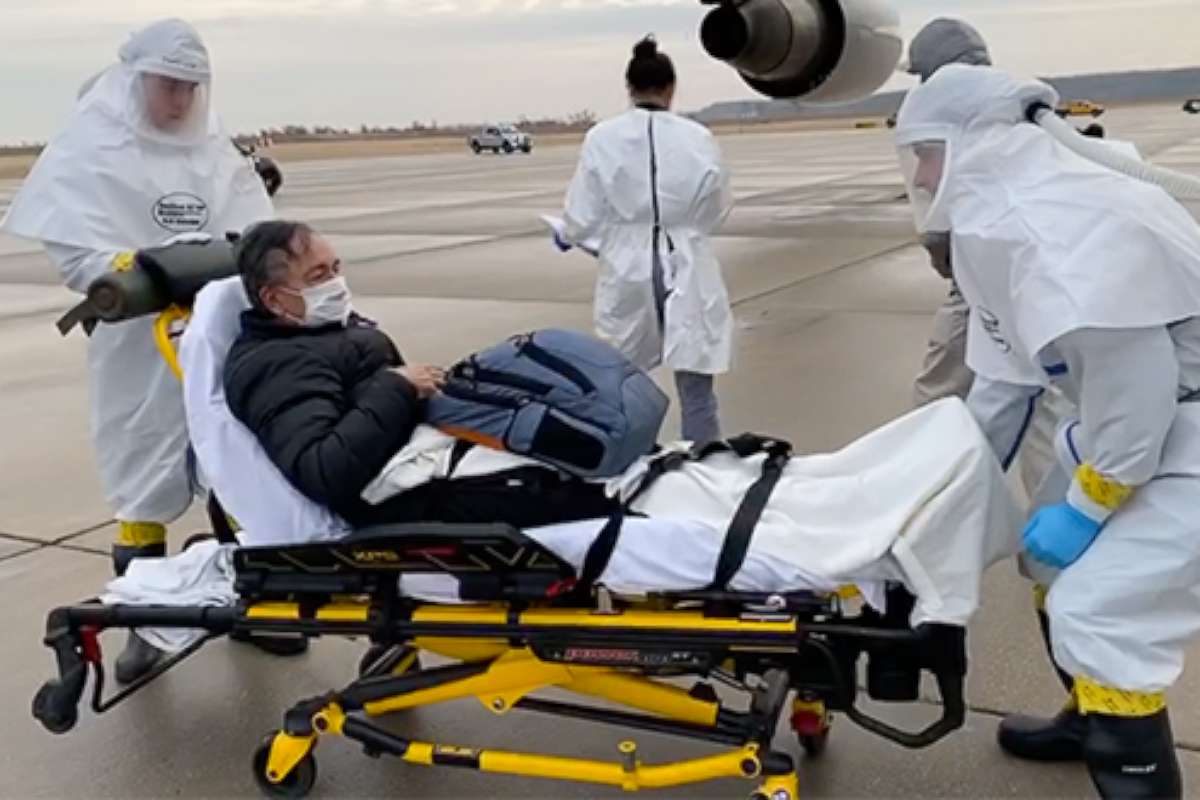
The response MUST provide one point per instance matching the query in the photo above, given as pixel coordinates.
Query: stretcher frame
(534, 626)
(534, 629)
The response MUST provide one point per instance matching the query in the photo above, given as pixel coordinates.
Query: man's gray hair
(265, 252)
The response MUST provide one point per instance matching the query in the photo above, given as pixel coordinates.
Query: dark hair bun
(646, 49)
(649, 70)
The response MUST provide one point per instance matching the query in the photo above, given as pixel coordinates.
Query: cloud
(387, 67)
(1062, 7)
(48, 14)
(392, 61)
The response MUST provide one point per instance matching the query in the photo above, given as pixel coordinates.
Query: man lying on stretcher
(921, 500)
(331, 400)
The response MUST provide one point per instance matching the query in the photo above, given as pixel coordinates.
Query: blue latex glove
(562, 244)
(1059, 534)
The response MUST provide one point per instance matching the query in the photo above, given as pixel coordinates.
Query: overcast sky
(346, 62)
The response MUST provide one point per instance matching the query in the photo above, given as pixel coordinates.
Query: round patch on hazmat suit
(180, 212)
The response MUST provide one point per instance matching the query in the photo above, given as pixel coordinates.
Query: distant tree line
(577, 122)
(573, 123)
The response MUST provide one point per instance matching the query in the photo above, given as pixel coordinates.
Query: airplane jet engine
(825, 51)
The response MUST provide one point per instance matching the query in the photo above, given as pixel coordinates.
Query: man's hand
(424, 378)
(938, 247)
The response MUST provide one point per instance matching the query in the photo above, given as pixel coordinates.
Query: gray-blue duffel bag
(558, 396)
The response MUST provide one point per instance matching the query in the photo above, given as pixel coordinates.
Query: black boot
(1041, 739)
(1132, 757)
(1044, 625)
(1038, 738)
(124, 554)
(138, 658)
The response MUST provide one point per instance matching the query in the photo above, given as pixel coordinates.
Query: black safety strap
(743, 446)
(745, 519)
(599, 554)
(220, 521)
(657, 468)
(749, 511)
(458, 451)
(82, 314)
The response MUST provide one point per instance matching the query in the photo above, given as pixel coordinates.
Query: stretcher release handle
(72, 631)
(942, 651)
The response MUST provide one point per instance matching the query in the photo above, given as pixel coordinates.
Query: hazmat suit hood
(1045, 241)
(170, 48)
(113, 180)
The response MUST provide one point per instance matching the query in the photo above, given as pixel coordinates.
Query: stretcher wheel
(811, 722)
(56, 713)
(298, 783)
(814, 745)
(779, 791)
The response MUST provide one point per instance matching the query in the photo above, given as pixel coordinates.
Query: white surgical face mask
(326, 303)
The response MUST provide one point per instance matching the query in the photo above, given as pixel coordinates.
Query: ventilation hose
(1176, 184)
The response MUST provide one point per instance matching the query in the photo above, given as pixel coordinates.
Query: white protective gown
(632, 167)
(1089, 279)
(109, 183)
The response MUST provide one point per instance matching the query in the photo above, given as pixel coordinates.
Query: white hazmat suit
(1066, 262)
(945, 372)
(650, 187)
(112, 182)
(1081, 277)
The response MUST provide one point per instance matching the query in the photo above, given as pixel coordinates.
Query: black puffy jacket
(323, 403)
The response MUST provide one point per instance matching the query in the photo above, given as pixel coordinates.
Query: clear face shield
(923, 164)
(169, 109)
